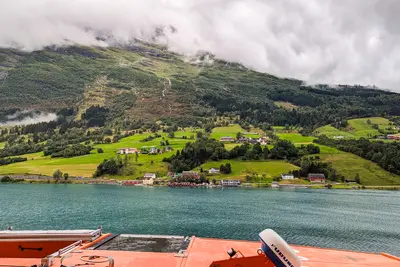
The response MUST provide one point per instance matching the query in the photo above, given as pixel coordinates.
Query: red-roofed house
(316, 177)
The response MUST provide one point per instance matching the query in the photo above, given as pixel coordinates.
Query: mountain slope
(149, 82)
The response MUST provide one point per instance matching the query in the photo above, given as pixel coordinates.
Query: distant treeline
(386, 155)
(6, 161)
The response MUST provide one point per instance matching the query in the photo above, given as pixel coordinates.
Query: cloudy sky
(329, 41)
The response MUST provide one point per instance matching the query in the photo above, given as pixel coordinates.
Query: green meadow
(296, 138)
(271, 168)
(357, 128)
(231, 131)
(349, 165)
(86, 165)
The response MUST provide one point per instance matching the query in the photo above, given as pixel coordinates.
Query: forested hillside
(147, 83)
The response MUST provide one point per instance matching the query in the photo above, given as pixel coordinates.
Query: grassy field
(357, 128)
(349, 165)
(240, 169)
(86, 165)
(296, 138)
(231, 131)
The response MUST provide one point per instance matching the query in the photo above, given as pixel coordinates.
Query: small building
(227, 139)
(153, 151)
(338, 137)
(190, 174)
(393, 137)
(230, 183)
(148, 181)
(125, 151)
(263, 140)
(286, 176)
(150, 176)
(213, 171)
(316, 177)
(274, 185)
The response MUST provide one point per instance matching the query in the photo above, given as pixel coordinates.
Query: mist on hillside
(27, 117)
(332, 41)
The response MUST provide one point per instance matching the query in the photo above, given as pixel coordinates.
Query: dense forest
(386, 155)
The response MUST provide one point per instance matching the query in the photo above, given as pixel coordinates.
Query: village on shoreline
(162, 182)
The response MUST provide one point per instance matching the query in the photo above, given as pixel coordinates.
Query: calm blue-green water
(354, 220)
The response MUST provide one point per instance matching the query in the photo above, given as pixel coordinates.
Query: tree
(136, 156)
(100, 150)
(107, 140)
(166, 142)
(171, 134)
(66, 176)
(239, 135)
(162, 143)
(266, 152)
(357, 178)
(222, 169)
(228, 168)
(57, 175)
(214, 181)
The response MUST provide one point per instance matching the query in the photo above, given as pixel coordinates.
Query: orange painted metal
(203, 251)
(259, 260)
(95, 241)
(390, 256)
(30, 249)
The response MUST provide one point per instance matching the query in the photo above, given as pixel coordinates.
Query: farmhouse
(213, 171)
(316, 177)
(227, 139)
(128, 151)
(285, 176)
(230, 183)
(393, 137)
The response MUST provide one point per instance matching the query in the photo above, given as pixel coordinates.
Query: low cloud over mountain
(332, 41)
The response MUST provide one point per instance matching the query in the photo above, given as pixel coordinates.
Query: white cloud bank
(29, 119)
(330, 41)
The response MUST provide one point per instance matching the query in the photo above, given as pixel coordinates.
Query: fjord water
(352, 220)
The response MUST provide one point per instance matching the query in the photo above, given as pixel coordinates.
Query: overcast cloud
(319, 41)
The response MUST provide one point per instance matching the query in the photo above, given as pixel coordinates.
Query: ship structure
(73, 248)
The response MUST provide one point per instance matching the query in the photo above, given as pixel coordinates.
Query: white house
(285, 176)
(150, 176)
(338, 137)
(148, 181)
(128, 151)
(213, 171)
(232, 183)
(274, 185)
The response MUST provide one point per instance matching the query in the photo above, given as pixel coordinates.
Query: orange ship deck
(203, 251)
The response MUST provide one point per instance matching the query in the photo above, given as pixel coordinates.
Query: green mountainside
(150, 83)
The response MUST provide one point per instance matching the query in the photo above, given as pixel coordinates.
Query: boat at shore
(70, 248)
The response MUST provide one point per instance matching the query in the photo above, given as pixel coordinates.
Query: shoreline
(115, 182)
